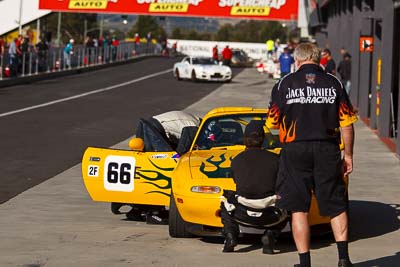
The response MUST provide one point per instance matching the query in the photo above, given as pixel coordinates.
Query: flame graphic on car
(220, 172)
(159, 178)
(287, 135)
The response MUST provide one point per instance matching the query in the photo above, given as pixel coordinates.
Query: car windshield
(204, 61)
(228, 131)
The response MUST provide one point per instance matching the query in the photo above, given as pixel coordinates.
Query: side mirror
(187, 136)
(136, 144)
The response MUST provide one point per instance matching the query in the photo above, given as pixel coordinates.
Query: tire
(177, 75)
(115, 207)
(177, 226)
(193, 76)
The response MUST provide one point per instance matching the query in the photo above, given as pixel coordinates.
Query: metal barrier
(55, 59)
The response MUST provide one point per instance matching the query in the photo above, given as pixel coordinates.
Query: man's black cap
(254, 129)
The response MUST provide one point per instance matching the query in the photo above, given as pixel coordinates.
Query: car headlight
(206, 189)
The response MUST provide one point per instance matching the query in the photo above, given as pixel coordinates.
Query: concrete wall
(347, 20)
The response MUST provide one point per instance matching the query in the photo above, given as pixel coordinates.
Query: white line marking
(85, 94)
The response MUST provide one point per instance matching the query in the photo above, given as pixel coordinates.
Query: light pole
(20, 17)
(59, 29)
(101, 25)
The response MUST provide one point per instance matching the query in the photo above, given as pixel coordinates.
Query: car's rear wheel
(193, 77)
(115, 207)
(177, 75)
(177, 226)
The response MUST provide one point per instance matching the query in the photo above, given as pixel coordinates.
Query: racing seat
(260, 214)
(232, 132)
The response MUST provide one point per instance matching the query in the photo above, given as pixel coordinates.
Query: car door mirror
(136, 144)
(187, 136)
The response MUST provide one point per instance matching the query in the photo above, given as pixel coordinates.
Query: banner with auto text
(254, 9)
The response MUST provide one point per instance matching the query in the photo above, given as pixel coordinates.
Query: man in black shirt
(312, 111)
(254, 172)
(344, 70)
(330, 64)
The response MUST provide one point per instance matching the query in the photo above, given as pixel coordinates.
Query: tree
(225, 33)
(145, 24)
(193, 35)
(177, 34)
(72, 25)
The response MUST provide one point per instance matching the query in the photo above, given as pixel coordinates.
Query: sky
(9, 13)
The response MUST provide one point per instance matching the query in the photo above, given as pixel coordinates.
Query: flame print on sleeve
(273, 117)
(346, 115)
(287, 135)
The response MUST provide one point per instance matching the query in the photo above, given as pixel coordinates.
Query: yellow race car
(184, 176)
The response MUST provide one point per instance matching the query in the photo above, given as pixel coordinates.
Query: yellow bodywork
(154, 174)
(149, 173)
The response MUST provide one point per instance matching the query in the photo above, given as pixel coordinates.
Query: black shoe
(345, 263)
(268, 242)
(230, 243)
(155, 219)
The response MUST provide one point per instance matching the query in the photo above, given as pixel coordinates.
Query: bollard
(37, 64)
(1, 67)
(23, 64)
(30, 63)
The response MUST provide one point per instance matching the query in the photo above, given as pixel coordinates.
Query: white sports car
(202, 68)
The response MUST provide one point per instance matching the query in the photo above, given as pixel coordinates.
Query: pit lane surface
(56, 224)
(44, 129)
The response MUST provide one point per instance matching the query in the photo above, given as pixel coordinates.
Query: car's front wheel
(193, 77)
(177, 226)
(177, 75)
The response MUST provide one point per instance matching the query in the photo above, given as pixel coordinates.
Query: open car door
(131, 177)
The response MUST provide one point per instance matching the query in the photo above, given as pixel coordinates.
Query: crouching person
(254, 171)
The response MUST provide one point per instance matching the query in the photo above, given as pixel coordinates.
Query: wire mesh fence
(56, 59)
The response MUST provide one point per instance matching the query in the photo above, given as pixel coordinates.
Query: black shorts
(311, 166)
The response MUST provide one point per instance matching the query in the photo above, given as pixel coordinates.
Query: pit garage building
(370, 31)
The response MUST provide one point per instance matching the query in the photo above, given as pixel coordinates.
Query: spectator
(41, 49)
(137, 43)
(330, 63)
(344, 70)
(68, 51)
(106, 44)
(226, 56)
(174, 51)
(2, 46)
(276, 45)
(285, 61)
(149, 39)
(95, 42)
(19, 52)
(114, 47)
(13, 57)
(164, 48)
(89, 44)
(323, 60)
(215, 53)
(344, 53)
(270, 47)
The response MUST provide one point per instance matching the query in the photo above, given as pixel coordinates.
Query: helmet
(136, 144)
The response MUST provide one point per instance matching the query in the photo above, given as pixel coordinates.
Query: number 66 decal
(119, 173)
